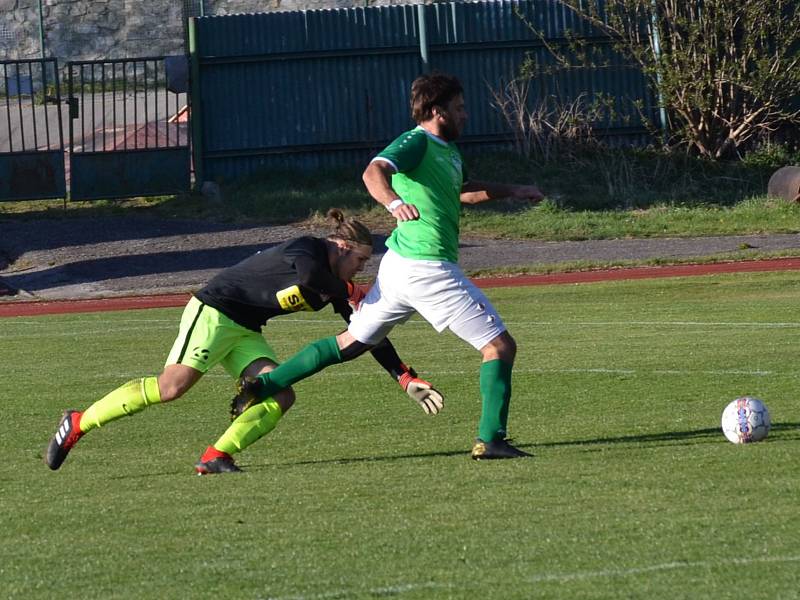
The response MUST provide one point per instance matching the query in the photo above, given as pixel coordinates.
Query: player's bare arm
(377, 178)
(475, 192)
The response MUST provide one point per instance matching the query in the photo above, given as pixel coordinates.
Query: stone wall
(86, 30)
(100, 29)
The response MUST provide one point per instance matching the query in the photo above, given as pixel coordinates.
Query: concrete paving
(62, 259)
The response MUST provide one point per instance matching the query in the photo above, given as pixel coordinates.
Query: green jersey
(429, 176)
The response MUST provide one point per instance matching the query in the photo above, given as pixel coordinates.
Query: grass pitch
(633, 491)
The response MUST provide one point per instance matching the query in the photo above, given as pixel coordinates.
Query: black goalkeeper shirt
(295, 275)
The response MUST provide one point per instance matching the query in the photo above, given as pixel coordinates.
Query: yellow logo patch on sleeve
(291, 299)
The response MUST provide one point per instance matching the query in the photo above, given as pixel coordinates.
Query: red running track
(31, 308)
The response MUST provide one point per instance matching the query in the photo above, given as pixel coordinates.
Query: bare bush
(727, 72)
(548, 127)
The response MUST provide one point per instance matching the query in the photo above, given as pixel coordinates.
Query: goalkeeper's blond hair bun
(348, 229)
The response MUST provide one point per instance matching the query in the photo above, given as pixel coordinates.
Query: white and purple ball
(745, 420)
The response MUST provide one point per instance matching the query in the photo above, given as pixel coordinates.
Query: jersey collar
(435, 138)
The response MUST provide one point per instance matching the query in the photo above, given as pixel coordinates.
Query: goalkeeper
(222, 324)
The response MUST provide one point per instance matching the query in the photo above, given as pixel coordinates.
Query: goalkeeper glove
(356, 293)
(421, 391)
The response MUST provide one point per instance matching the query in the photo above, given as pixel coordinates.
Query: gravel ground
(122, 256)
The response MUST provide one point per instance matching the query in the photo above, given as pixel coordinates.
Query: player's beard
(450, 130)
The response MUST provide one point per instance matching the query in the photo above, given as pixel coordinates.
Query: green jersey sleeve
(407, 151)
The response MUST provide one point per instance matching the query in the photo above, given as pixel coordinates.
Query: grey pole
(423, 38)
(41, 30)
(662, 111)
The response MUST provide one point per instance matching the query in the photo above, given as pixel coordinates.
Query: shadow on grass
(31, 234)
(712, 434)
(654, 438)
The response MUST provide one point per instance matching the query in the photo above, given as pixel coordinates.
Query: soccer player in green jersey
(420, 179)
(222, 324)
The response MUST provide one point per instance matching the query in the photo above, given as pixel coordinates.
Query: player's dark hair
(348, 229)
(432, 90)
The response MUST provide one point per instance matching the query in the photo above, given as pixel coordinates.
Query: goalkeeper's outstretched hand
(356, 293)
(248, 393)
(421, 391)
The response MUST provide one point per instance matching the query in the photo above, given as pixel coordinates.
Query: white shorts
(438, 291)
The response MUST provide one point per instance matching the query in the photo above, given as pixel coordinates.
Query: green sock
(503, 431)
(128, 399)
(311, 359)
(495, 385)
(250, 426)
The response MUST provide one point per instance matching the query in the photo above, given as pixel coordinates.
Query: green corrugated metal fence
(321, 88)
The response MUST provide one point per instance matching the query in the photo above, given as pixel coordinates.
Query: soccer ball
(745, 420)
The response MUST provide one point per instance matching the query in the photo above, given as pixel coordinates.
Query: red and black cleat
(66, 436)
(213, 461)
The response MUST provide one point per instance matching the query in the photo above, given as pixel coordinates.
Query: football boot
(496, 449)
(66, 436)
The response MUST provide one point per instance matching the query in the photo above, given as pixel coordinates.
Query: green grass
(572, 266)
(754, 216)
(501, 220)
(603, 195)
(632, 493)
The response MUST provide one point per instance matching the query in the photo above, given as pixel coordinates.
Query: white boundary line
(670, 566)
(314, 321)
(378, 372)
(392, 590)
(401, 588)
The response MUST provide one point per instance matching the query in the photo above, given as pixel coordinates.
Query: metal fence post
(656, 41)
(41, 29)
(423, 38)
(195, 106)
